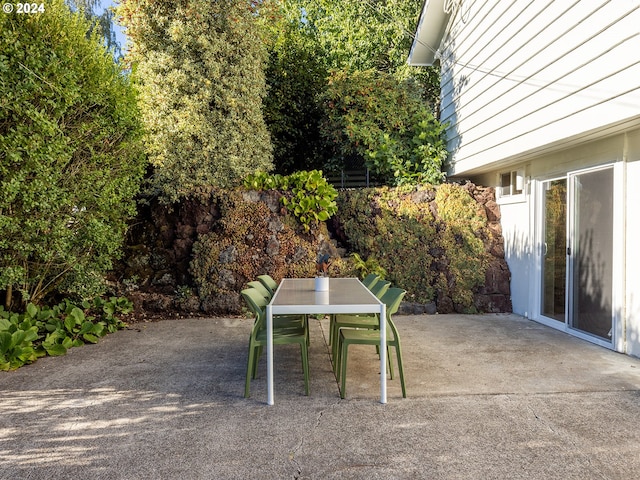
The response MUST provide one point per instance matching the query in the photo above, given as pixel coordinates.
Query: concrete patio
(489, 396)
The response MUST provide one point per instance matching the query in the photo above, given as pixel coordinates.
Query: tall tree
(70, 156)
(370, 34)
(385, 122)
(310, 38)
(200, 67)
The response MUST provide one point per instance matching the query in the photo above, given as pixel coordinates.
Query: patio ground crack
(300, 445)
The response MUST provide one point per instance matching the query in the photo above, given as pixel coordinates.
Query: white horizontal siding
(521, 75)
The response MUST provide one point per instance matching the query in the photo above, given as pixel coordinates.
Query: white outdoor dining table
(345, 295)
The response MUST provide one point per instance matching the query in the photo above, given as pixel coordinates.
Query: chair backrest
(264, 291)
(370, 280)
(268, 282)
(256, 303)
(380, 288)
(392, 299)
(395, 296)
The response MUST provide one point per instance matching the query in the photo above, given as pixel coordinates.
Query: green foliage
(383, 120)
(428, 239)
(70, 157)
(296, 76)
(354, 35)
(370, 265)
(306, 39)
(40, 331)
(251, 240)
(309, 197)
(306, 195)
(200, 68)
(16, 342)
(461, 237)
(264, 181)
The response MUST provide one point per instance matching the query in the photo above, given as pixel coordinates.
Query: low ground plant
(40, 331)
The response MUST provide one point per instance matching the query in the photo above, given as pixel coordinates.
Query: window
(511, 185)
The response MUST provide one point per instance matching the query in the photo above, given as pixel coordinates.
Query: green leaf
(67, 342)
(55, 350)
(90, 338)
(6, 342)
(69, 323)
(31, 334)
(18, 337)
(99, 329)
(32, 310)
(86, 328)
(78, 315)
(323, 216)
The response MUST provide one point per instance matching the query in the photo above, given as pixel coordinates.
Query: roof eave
(431, 28)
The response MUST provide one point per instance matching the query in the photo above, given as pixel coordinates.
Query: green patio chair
(268, 282)
(264, 291)
(365, 336)
(281, 336)
(370, 280)
(378, 289)
(279, 321)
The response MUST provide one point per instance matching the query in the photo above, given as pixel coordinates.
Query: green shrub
(428, 239)
(463, 221)
(306, 195)
(368, 266)
(200, 70)
(384, 121)
(40, 331)
(70, 156)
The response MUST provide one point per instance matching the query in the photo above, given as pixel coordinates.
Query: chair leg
(401, 369)
(250, 370)
(257, 353)
(332, 320)
(305, 325)
(343, 367)
(337, 353)
(304, 354)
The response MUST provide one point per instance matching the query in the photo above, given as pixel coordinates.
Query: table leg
(269, 355)
(383, 353)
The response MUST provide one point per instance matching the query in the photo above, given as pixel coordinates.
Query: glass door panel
(592, 256)
(554, 266)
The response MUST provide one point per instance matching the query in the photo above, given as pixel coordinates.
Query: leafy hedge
(428, 239)
(70, 156)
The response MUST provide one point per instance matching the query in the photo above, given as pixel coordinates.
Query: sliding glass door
(577, 252)
(592, 253)
(554, 267)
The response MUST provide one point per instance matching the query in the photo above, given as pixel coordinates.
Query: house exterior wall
(519, 79)
(545, 89)
(521, 223)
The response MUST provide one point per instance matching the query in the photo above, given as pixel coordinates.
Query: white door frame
(617, 341)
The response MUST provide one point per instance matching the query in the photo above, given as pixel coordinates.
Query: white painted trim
(619, 256)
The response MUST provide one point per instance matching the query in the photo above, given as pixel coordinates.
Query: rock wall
(495, 295)
(157, 271)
